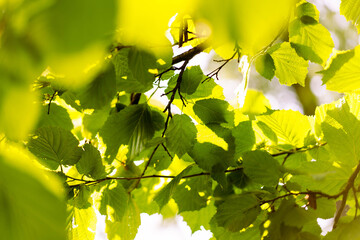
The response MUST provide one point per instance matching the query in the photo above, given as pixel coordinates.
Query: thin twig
(217, 70)
(191, 53)
(345, 192)
(50, 100)
(356, 201)
(173, 92)
(143, 177)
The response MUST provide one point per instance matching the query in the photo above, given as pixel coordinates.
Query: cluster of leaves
(94, 140)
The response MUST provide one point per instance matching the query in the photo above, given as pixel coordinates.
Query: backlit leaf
(351, 10)
(181, 134)
(54, 146)
(262, 168)
(164, 195)
(238, 212)
(343, 73)
(31, 199)
(90, 163)
(290, 68)
(134, 126)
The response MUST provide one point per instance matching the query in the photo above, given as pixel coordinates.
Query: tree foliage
(80, 131)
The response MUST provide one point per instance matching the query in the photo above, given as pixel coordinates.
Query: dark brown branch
(225, 61)
(344, 193)
(173, 92)
(50, 100)
(188, 55)
(298, 150)
(143, 177)
(356, 201)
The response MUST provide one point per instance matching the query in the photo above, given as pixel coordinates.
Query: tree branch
(142, 177)
(345, 192)
(188, 55)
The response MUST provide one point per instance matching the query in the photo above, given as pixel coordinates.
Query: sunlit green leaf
(264, 65)
(193, 193)
(72, 38)
(288, 220)
(90, 163)
(134, 126)
(307, 9)
(311, 41)
(289, 126)
(31, 200)
(126, 228)
(100, 91)
(244, 138)
(191, 80)
(345, 231)
(342, 131)
(262, 168)
(82, 216)
(94, 121)
(196, 219)
(164, 195)
(213, 111)
(181, 134)
(57, 116)
(54, 146)
(237, 212)
(133, 76)
(114, 201)
(290, 68)
(351, 10)
(343, 73)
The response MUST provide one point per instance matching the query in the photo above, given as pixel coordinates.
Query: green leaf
(311, 41)
(250, 233)
(213, 111)
(113, 201)
(31, 200)
(181, 134)
(125, 80)
(127, 228)
(135, 126)
(161, 159)
(196, 219)
(71, 38)
(290, 127)
(210, 157)
(100, 91)
(343, 73)
(140, 63)
(71, 99)
(341, 131)
(193, 193)
(93, 122)
(288, 220)
(262, 168)
(307, 9)
(54, 146)
(321, 176)
(264, 65)
(345, 231)
(290, 68)
(244, 138)
(255, 103)
(82, 219)
(164, 195)
(238, 212)
(351, 10)
(57, 117)
(191, 79)
(90, 163)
